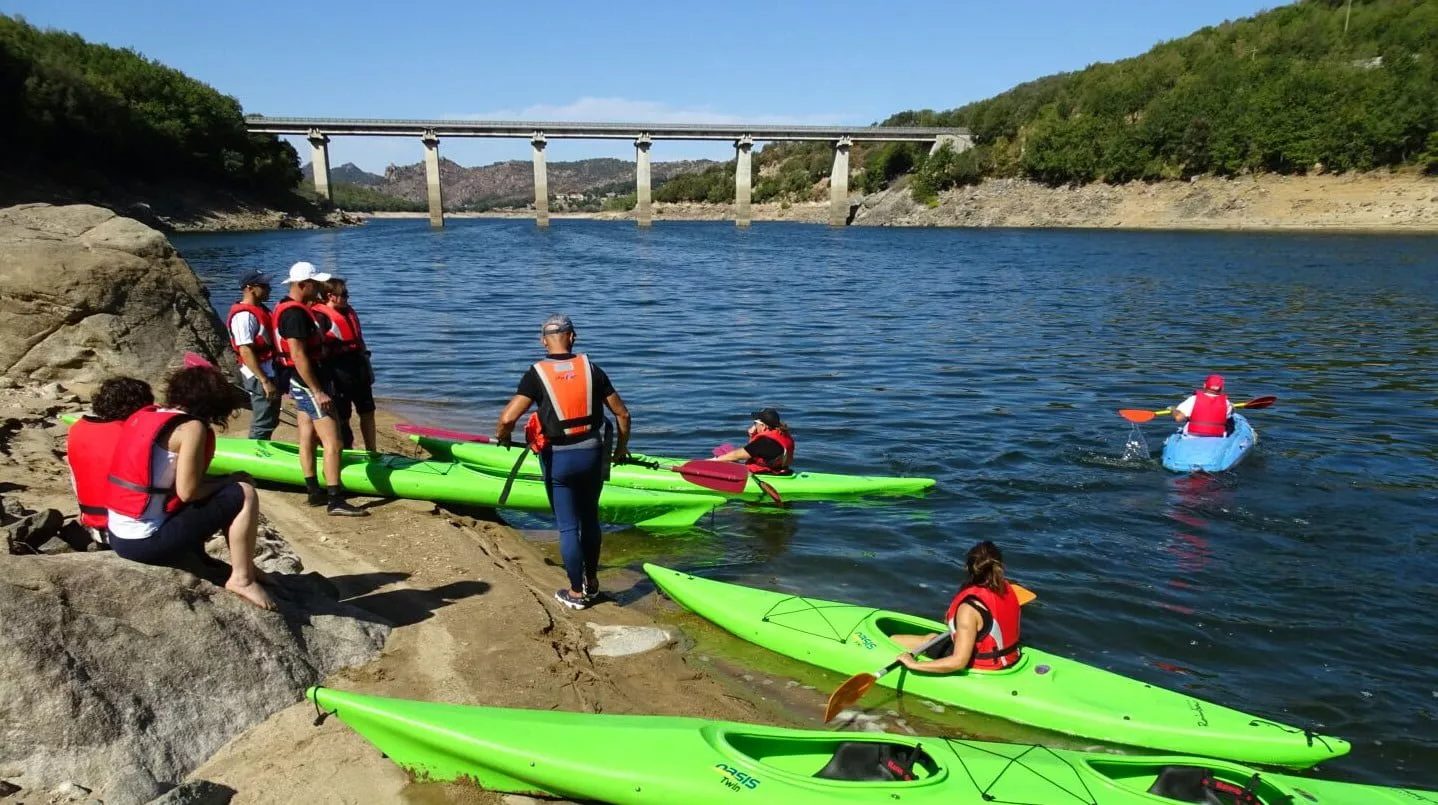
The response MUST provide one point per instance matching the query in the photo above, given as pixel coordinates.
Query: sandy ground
(476, 624)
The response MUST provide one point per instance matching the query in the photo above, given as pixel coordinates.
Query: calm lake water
(1300, 587)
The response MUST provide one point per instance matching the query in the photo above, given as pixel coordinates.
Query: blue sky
(733, 60)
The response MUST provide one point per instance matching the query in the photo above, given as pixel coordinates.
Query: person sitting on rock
(91, 442)
(162, 508)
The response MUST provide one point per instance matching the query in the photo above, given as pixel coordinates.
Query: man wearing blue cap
(252, 337)
(572, 394)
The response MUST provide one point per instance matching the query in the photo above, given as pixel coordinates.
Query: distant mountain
(509, 184)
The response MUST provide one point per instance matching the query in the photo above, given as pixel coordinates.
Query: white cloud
(628, 110)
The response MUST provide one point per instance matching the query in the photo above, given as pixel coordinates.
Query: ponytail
(985, 564)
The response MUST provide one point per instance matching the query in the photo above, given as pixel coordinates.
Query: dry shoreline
(1404, 202)
(470, 600)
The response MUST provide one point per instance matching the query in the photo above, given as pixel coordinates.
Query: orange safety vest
(759, 466)
(88, 449)
(1210, 415)
(314, 344)
(131, 484)
(264, 343)
(342, 336)
(568, 412)
(997, 646)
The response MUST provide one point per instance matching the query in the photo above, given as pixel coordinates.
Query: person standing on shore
(572, 393)
(347, 358)
(301, 344)
(252, 337)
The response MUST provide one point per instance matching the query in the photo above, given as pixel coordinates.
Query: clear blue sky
(799, 61)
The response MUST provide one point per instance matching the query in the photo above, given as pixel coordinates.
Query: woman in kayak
(1207, 411)
(770, 449)
(983, 622)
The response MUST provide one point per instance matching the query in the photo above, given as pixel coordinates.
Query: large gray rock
(86, 294)
(122, 678)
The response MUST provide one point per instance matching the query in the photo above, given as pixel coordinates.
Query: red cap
(1213, 382)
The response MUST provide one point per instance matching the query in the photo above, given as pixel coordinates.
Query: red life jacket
(131, 487)
(314, 344)
(88, 449)
(997, 646)
(569, 413)
(264, 343)
(342, 334)
(761, 466)
(1210, 415)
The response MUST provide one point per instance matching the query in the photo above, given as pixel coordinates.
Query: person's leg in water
(567, 481)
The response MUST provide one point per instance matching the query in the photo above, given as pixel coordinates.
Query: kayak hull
(1042, 690)
(798, 486)
(639, 760)
(1183, 453)
(392, 475)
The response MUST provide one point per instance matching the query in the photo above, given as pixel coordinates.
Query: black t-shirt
(296, 323)
(765, 448)
(532, 387)
(300, 323)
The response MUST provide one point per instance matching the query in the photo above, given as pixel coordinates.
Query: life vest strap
(84, 509)
(134, 487)
(1003, 652)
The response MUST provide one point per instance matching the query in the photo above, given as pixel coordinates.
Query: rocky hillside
(509, 184)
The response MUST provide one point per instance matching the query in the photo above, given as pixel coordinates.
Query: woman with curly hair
(91, 443)
(161, 505)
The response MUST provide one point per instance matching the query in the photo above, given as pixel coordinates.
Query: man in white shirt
(252, 336)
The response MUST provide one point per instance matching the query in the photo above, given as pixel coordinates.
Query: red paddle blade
(1135, 415)
(1024, 594)
(193, 359)
(768, 490)
(1258, 402)
(720, 476)
(441, 433)
(848, 694)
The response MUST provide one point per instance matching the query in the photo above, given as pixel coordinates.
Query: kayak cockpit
(1188, 783)
(840, 757)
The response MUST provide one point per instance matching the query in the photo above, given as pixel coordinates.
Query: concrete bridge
(319, 130)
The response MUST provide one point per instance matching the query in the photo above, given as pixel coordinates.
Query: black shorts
(186, 531)
(350, 374)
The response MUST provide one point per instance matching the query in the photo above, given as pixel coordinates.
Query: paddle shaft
(933, 641)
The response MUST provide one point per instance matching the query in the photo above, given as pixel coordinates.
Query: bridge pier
(743, 179)
(320, 163)
(958, 143)
(541, 181)
(431, 175)
(644, 204)
(839, 183)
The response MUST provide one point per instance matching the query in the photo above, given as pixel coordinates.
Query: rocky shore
(1373, 202)
(122, 683)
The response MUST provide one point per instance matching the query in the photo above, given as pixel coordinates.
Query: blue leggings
(573, 479)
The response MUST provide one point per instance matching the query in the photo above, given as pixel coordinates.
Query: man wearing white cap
(300, 350)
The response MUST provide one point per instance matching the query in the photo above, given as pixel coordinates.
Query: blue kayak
(1184, 453)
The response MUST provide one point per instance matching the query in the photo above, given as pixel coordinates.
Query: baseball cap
(769, 416)
(1213, 382)
(255, 278)
(302, 271)
(556, 323)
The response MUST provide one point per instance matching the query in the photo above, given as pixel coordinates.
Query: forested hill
(1302, 88)
(84, 114)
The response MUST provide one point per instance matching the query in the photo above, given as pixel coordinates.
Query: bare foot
(252, 593)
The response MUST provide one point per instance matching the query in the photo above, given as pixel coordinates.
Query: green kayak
(661, 760)
(798, 486)
(1043, 690)
(391, 475)
(396, 476)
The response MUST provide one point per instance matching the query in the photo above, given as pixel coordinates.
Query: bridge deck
(359, 127)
